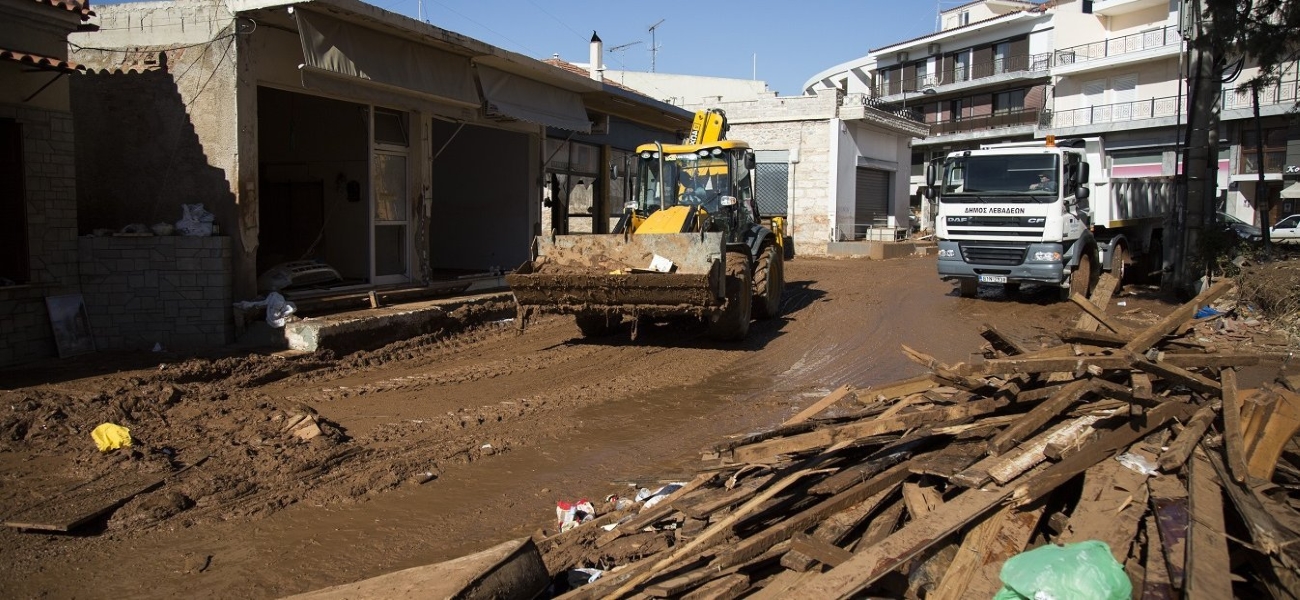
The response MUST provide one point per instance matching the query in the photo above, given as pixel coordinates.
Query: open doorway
(314, 197)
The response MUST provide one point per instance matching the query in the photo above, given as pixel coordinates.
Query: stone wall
(50, 185)
(172, 290)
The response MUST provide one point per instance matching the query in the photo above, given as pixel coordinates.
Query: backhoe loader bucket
(611, 274)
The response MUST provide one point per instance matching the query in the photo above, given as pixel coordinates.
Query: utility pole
(654, 47)
(1201, 165)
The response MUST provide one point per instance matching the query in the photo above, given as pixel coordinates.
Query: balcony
(1121, 47)
(1014, 118)
(1007, 67)
(1151, 108)
(1282, 92)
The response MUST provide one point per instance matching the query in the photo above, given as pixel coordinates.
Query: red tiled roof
(81, 7)
(572, 68)
(43, 62)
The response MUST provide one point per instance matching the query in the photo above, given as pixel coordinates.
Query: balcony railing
(1023, 116)
(960, 73)
(1167, 36)
(1282, 92)
(907, 112)
(1151, 108)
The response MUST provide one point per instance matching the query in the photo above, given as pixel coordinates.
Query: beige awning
(533, 101)
(1292, 190)
(365, 55)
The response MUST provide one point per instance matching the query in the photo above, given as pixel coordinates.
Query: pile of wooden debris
(926, 486)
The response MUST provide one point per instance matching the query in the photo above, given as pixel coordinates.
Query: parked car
(1244, 230)
(1286, 230)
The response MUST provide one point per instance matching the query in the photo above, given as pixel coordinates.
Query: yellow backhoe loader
(690, 243)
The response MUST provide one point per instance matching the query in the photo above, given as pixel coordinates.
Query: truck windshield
(687, 179)
(1008, 177)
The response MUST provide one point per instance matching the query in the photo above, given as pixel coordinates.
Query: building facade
(1109, 70)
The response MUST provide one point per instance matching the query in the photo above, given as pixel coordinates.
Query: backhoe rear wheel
(732, 323)
(769, 283)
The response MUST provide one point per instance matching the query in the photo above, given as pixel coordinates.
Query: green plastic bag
(1082, 571)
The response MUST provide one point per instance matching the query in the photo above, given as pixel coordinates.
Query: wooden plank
(835, 529)
(84, 503)
(758, 543)
(1001, 341)
(1096, 315)
(882, 526)
(1101, 295)
(710, 536)
(1039, 416)
(1207, 549)
(1104, 447)
(725, 588)
(1232, 442)
(974, 570)
(1156, 585)
(1281, 425)
(897, 389)
(675, 587)
(1173, 458)
(1178, 374)
(1113, 500)
(1148, 337)
(819, 549)
(831, 399)
(920, 500)
(851, 432)
(1095, 338)
(660, 510)
(1141, 386)
(704, 504)
(1170, 512)
(1035, 451)
(1117, 361)
(872, 562)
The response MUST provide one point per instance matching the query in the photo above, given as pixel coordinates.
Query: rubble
(923, 488)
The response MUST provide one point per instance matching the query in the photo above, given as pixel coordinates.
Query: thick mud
(310, 471)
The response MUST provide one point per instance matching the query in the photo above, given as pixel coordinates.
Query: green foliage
(1260, 31)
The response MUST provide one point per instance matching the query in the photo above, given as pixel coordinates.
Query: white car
(1286, 230)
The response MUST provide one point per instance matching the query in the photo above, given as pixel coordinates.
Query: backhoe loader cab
(690, 243)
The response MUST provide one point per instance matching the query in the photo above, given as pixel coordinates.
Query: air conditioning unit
(933, 48)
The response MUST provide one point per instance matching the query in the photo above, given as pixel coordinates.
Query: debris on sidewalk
(1123, 440)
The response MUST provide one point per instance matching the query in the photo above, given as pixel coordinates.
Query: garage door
(871, 205)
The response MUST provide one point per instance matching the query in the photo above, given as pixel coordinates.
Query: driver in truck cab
(1045, 183)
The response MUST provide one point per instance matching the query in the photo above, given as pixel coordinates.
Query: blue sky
(789, 41)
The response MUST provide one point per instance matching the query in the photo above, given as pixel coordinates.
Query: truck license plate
(993, 278)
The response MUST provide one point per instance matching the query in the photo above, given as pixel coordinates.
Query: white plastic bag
(195, 220)
(278, 310)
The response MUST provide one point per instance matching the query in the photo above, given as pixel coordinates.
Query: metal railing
(913, 113)
(1024, 116)
(1146, 40)
(1151, 108)
(960, 73)
(1282, 92)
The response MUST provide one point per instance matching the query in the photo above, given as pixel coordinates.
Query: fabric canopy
(1291, 191)
(533, 101)
(351, 50)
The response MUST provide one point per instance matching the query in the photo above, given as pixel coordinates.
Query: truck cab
(1015, 213)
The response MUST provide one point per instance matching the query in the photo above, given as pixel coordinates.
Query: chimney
(597, 49)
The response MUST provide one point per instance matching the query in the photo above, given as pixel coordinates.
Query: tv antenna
(654, 48)
(622, 53)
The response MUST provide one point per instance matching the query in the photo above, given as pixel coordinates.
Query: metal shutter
(871, 203)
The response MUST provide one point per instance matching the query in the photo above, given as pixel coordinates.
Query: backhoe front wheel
(769, 283)
(732, 322)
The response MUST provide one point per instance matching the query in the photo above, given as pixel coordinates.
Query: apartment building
(1113, 70)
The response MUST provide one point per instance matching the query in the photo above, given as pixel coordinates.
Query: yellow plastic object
(111, 437)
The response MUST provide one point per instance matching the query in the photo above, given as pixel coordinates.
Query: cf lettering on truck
(1045, 213)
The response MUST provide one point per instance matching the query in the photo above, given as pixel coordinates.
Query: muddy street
(441, 445)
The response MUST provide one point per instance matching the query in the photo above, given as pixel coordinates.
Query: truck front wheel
(968, 288)
(1082, 279)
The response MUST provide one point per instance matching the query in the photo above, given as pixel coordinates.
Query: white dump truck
(1043, 212)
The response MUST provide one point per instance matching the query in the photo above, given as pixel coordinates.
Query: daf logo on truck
(1026, 212)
